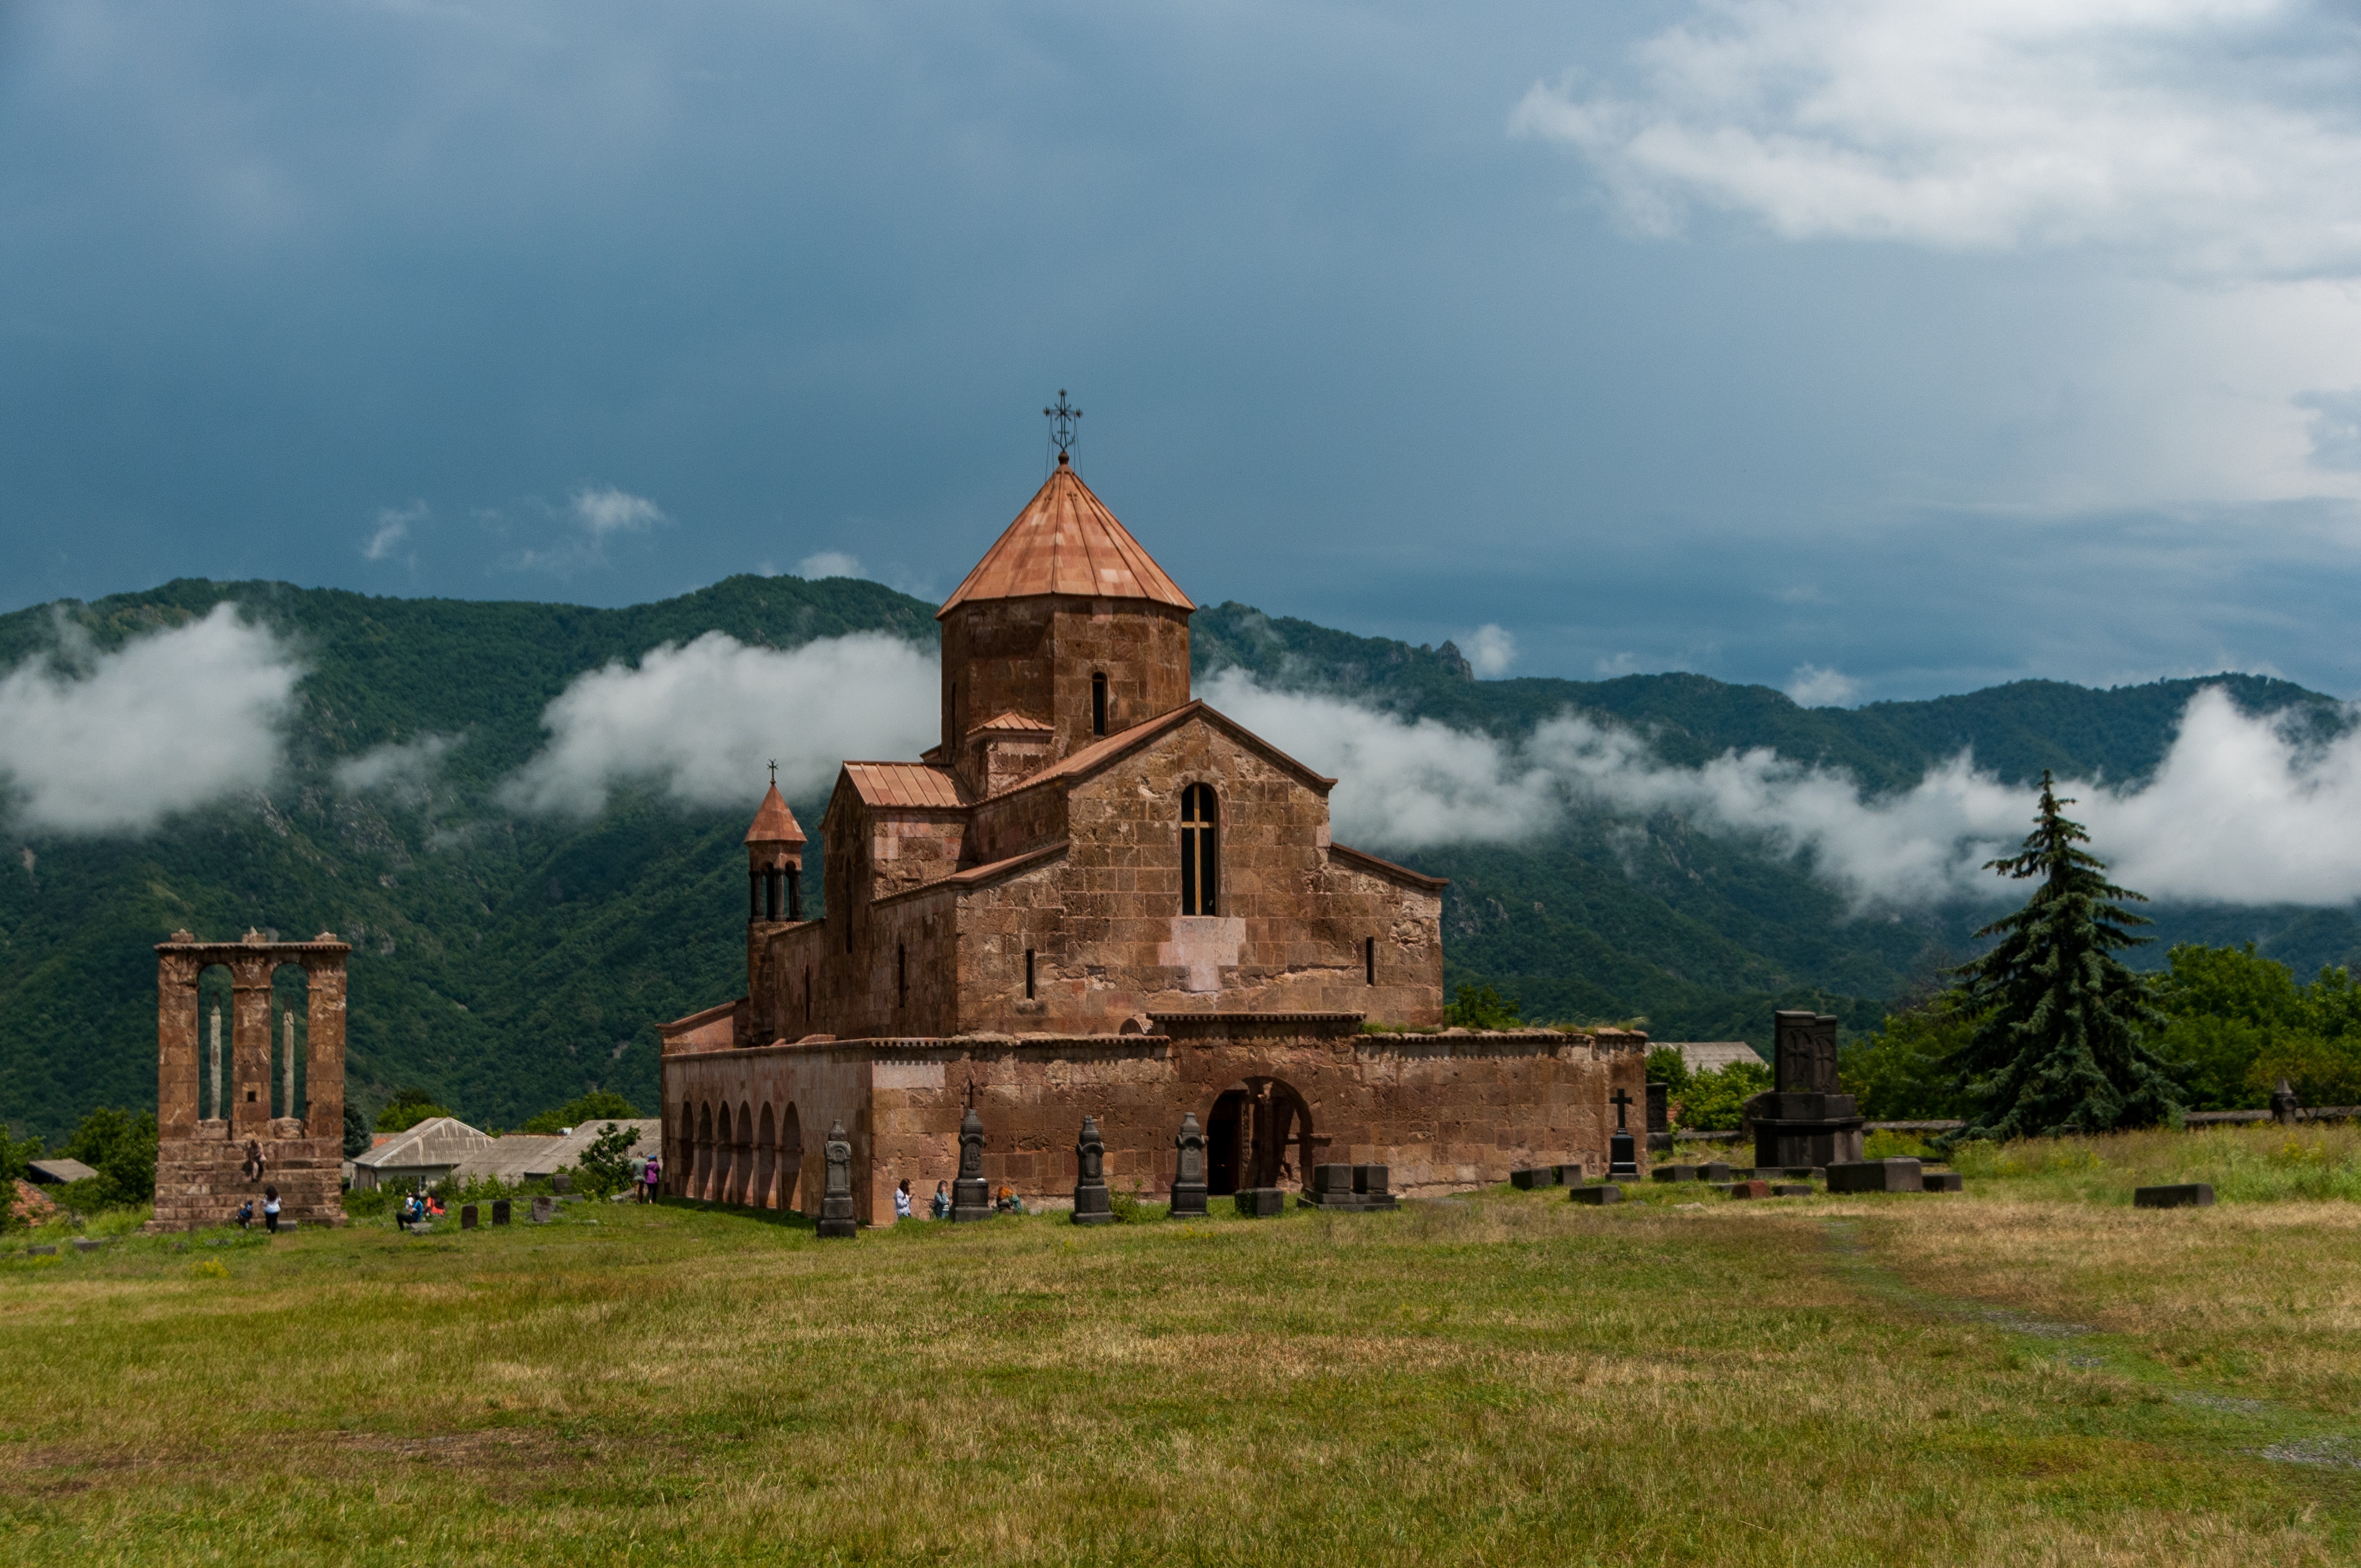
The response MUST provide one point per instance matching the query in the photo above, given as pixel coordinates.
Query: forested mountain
(505, 962)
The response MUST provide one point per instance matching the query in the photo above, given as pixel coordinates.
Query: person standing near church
(270, 1210)
(651, 1178)
(902, 1200)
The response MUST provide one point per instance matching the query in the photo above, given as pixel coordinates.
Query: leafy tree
(1906, 1071)
(14, 1154)
(356, 1131)
(407, 1109)
(1480, 1007)
(607, 1164)
(2058, 1042)
(1668, 1067)
(600, 1104)
(121, 1147)
(1715, 1101)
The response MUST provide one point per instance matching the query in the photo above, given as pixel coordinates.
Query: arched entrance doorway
(1257, 1134)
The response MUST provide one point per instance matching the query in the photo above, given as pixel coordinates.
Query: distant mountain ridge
(506, 962)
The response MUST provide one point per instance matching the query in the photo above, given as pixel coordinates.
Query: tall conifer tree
(2059, 1045)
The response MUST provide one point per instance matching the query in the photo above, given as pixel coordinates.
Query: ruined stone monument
(1804, 1121)
(1189, 1189)
(2284, 1103)
(836, 1198)
(971, 1194)
(1091, 1204)
(208, 1164)
(1660, 1118)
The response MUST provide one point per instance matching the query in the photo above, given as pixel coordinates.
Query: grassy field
(2029, 1372)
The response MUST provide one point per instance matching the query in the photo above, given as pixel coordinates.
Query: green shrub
(121, 1147)
(1481, 1007)
(1715, 1101)
(402, 1118)
(1668, 1066)
(1904, 1071)
(605, 1165)
(1131, 1209)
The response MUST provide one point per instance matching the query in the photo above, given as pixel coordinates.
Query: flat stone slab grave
(2180, 1195)
(1261, 1202)
(1674, 1173)
(1792, 1190)
(1605, 1192)
(1534, 1175)
(1876, 1175)
(1942, 1181)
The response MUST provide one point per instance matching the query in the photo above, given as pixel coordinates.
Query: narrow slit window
(1369, 958)
(807, 999)
(1201, 861)
(901, 975)
(1098, 702)
(1029, 974)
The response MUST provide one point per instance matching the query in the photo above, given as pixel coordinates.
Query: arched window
(1200, 859)
(1098, 702)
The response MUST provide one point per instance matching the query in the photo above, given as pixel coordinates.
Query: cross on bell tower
(1062, 433)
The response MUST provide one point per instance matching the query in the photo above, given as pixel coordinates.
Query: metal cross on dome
(1061, 423)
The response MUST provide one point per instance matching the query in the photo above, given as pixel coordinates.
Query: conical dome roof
(1066, 542)
(773, 823)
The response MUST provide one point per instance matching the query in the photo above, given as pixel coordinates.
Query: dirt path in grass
(2213, 1422)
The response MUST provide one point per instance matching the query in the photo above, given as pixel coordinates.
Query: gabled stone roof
(905, 784)
(1098, 753)
(1066, 542)
(773, 823)
(1012, 724)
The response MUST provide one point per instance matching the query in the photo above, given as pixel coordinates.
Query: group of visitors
(647, 1177)
(269, 1211)
(417, 1209)
(1008, 1202)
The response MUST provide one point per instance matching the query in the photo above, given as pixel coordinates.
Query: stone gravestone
(1260, 1202)
(1091, 1205)
(562, 1183)
(1660, 1118)
(1189, 1172)
(1569, 1174)
(499, 1211)
(1332, 1188)
(1942, 1181)
(1674, 1173)
(971, 1194)
(467, 1216)
(1532, 1177)
(543, 1210)
(1876, 1175)
(2283, 1101)
(1372, 1186)
(2182, 1195)
(1805, 1119)
(1603, 1194)
(1623, 1158)
(836, 1196)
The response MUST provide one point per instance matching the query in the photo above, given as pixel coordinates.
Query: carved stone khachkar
(836, 1198)
(1091, 1205)
(1803, 1121)
(207, 1165)
(1189, 1171)
(971, 1194)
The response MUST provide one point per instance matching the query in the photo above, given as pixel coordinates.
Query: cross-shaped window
(1201, 866)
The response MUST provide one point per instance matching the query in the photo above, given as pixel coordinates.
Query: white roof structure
(522, 1156)
(1710, 1055)
(436, 1145)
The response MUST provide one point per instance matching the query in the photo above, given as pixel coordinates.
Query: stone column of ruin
(176, 1046)
(323, 1057)
(220, 1106)
(249, 1045)
(286, 1061)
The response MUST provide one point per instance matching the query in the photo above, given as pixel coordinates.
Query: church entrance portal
(1257, 1134)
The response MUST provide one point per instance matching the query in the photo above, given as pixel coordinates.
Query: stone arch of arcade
(740, 1153)
(1258, 1133)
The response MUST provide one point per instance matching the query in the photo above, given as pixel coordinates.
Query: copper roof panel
(909, 784)
(1066, 542)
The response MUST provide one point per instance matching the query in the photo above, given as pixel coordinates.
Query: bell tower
(1065, 632)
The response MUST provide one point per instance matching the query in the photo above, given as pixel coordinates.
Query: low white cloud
(2239, 812)
(405, 769)
(392, 529)
(2335, 428)
(117, 742)
(606, 510)
(829, 563)
(701, 720)
(2213, 137)
(1491, 649)
(1814, 687)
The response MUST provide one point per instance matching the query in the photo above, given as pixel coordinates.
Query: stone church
(1098, 896)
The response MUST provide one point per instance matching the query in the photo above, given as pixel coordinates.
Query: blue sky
(1865, 351)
